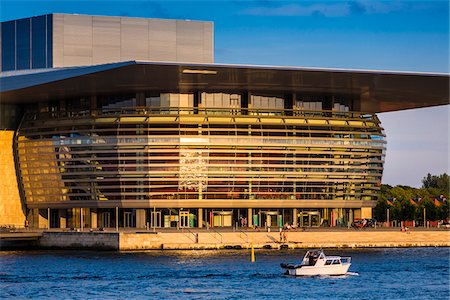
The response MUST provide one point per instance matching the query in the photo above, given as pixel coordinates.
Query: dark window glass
(23, 44)
(49, 41)
(38, 42)
(8, 46)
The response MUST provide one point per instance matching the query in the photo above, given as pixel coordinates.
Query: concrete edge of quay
(291, 246)
(140, 241)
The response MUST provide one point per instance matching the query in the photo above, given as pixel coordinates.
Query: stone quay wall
(300, 240)
(79, 240)
(184, 240)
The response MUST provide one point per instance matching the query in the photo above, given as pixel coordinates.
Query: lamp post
(387, 218)
(424, 217)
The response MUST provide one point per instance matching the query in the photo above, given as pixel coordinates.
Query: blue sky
(382, 35)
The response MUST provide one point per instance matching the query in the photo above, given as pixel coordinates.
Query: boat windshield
(312, 256)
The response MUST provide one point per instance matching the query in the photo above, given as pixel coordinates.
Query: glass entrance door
(304, 219)
(314, 220)
(105, 219)
(184, 219)
(156, 219)
(128, 219)
(54, 218)
(309, 219)
(270, 218)
(223, 219)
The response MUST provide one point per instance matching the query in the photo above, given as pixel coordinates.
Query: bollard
(253, 254)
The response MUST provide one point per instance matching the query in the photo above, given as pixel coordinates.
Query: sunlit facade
(143, 145)
(173, 160)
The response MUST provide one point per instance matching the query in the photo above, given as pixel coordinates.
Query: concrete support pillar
(295, 217)
(62, 218)
(350, 219)
(250, 217)
(117, 218)
(48, 218)
(81, 218)
(94, 218)
(140, 218)
(200, 218)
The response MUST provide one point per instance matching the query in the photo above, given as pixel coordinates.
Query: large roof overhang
(378, 91)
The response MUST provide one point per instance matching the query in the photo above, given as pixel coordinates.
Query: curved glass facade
(147, 157)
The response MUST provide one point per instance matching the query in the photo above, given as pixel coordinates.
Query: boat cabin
(312, 257)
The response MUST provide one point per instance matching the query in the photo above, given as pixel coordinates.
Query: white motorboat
(315, 262)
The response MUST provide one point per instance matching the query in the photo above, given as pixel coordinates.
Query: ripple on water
(381, 273)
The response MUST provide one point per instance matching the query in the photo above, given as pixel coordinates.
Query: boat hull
(332, 270)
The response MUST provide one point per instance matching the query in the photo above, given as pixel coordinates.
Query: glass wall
(23, 44)
(137, 155)
(8, 46)
(158, 158)
(38, 55)
(27, 43)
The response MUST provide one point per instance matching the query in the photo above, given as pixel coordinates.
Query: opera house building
(117, 122)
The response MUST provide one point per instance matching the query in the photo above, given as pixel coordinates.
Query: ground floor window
(146, 218)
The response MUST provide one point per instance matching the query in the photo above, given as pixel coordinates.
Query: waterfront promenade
(229, 239)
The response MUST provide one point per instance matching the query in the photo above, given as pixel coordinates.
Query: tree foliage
(408, 203)
(441, 182)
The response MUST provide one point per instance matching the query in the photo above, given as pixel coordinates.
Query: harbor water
(391, 273)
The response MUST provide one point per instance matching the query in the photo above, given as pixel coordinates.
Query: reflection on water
(414, 273)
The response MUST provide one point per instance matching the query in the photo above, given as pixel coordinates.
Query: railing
(243, 233)
(215, 233)
(149, 111)
(189, 233)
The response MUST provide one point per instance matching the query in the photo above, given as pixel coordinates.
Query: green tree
(440, 182)
(406, 210)
(380, 210)
(444, 210)
(431, 211)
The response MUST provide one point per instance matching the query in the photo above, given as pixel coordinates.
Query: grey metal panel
(58, 40)
(37, 77)
(134, 39)
(208, 42)
(162, 36)
(189, 41)
(77, 40)
(80, 40)
(106, 39)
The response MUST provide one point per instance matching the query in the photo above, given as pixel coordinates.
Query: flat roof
(378, 90)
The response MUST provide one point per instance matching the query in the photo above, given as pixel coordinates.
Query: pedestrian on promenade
(281, 236)
(26, 224)
(284, 237)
